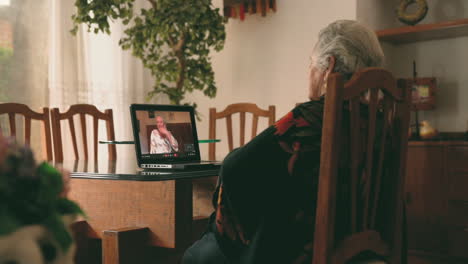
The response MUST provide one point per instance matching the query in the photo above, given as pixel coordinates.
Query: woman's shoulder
(305, 115)
(312, 108)
(312, 111)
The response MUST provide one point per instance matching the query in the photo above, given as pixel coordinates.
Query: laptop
(166, 138)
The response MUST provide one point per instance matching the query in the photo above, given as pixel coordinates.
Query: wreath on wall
(415, 17)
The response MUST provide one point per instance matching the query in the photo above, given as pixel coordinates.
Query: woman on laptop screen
(162, 140)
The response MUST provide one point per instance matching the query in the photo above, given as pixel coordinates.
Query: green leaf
(65, 206)
(8, 223)
(51, 184)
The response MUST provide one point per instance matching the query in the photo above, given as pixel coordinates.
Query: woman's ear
(331, 64)
(330, 68)
(326, 73)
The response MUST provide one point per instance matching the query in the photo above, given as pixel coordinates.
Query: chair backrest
(363, 160)
(228, 112)
(13, 109)
(82, 110)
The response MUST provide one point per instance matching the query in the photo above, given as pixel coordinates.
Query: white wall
(265, 59)
(446, 59)
(377, 14)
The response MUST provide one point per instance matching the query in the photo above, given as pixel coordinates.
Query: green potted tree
(173, 39)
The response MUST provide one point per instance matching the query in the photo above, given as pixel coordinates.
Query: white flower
(22, 246)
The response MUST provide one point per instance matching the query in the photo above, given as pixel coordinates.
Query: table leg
(183, 213)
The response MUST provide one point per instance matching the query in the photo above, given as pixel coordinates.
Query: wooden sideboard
(436, 192)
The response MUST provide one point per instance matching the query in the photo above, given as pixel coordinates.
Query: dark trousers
(205, 251)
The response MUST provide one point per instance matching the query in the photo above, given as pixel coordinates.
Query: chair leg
(404, 242)
(125, 245)
(88, 249)
(400, 255)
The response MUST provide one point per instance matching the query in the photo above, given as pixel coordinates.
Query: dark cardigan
(266, 195)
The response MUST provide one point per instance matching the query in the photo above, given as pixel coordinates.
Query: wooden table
(125, 207)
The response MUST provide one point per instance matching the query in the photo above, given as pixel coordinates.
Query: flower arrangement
(34, 210)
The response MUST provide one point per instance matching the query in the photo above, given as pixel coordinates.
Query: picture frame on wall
(423, 92)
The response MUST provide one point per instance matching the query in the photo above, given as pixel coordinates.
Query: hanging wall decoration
(239, 8)
(414, 17)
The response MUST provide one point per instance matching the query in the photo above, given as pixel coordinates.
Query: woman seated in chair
(265, 197)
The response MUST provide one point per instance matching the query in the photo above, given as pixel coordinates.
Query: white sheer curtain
(23, 79)
(50, 67)
(68, 70)
(93, 69)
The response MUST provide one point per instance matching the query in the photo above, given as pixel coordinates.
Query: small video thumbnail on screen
(165, 132)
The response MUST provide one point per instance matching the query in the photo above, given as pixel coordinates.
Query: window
(4, 2)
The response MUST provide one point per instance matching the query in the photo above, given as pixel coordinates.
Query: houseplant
(172, 38)
(35, 213)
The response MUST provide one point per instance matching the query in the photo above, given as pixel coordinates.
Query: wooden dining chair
(82, 110)
(363, 159)
(13, 109)
(228, 112)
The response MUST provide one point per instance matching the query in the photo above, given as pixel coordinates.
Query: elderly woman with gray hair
(263, 201)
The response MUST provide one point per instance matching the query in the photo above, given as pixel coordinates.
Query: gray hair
(353, 45)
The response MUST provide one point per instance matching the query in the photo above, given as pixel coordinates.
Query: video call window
(165, 132)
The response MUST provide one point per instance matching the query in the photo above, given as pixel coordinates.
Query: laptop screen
(164, 133)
